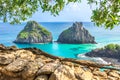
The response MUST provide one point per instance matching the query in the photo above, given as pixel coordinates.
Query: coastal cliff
(76, 34)
(34, 64)
(110, 53)
(34, 33)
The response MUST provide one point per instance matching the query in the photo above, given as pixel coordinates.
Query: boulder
(76, 34)
(42, 77)
(78, 72)
(48, 68)
(6, 59)
(16, 66)
(100, 74)
(25, 54)
(114, 74)
(86, 76)
(2, 47)
(30, 70)
(63, 72)
(34, 33)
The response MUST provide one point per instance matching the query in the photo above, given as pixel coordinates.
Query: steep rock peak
(76, 34)
(78, 24)
(34, 33)
(31, 25)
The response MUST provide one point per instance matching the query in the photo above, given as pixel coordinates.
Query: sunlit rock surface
(34, 64)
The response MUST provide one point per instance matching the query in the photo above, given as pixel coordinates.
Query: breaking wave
(95, 59)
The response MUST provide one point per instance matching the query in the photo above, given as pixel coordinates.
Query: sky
(71, 13)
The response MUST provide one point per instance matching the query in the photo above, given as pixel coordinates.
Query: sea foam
(95, 59)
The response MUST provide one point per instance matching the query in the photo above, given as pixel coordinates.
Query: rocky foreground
(33, 64)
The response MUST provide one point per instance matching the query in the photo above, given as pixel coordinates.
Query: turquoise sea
(102, 36)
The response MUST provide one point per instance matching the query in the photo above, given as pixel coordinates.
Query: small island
(34, 33)
(76, 34)
(110, 53)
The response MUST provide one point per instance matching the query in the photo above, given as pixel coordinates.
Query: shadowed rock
(6, 59)
(17, 66)
(42, 77)
(110, 53)
(48, 68)
(76, 34)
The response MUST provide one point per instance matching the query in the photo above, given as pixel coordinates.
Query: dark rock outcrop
(76, 34)
(34, 33)
(34, 64)
(110, 53)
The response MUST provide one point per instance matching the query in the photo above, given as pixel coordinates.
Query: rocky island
(110, 53)
(76, 34)
(34, 64)
(34, 33)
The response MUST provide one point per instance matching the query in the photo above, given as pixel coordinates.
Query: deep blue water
(103, 37)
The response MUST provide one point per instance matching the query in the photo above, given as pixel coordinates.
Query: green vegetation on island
(34, 33)
(112, 47)
(23, 34)
(110, 53)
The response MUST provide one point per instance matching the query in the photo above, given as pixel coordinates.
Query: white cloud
(71, 12)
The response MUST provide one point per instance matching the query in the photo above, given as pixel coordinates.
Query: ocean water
(8, 34)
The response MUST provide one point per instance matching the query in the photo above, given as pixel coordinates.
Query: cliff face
(76, 34)
(33, 64)
(34, 33)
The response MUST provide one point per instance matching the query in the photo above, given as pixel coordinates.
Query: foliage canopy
(107, 12)
(112, 47)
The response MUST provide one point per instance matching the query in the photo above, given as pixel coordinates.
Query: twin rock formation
(35, 33)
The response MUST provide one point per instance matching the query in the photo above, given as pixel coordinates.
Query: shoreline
(101, 60)
(34, 64)
(112, 61)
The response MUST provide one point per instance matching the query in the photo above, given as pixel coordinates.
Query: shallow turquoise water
(9, 32)
(62, 50)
